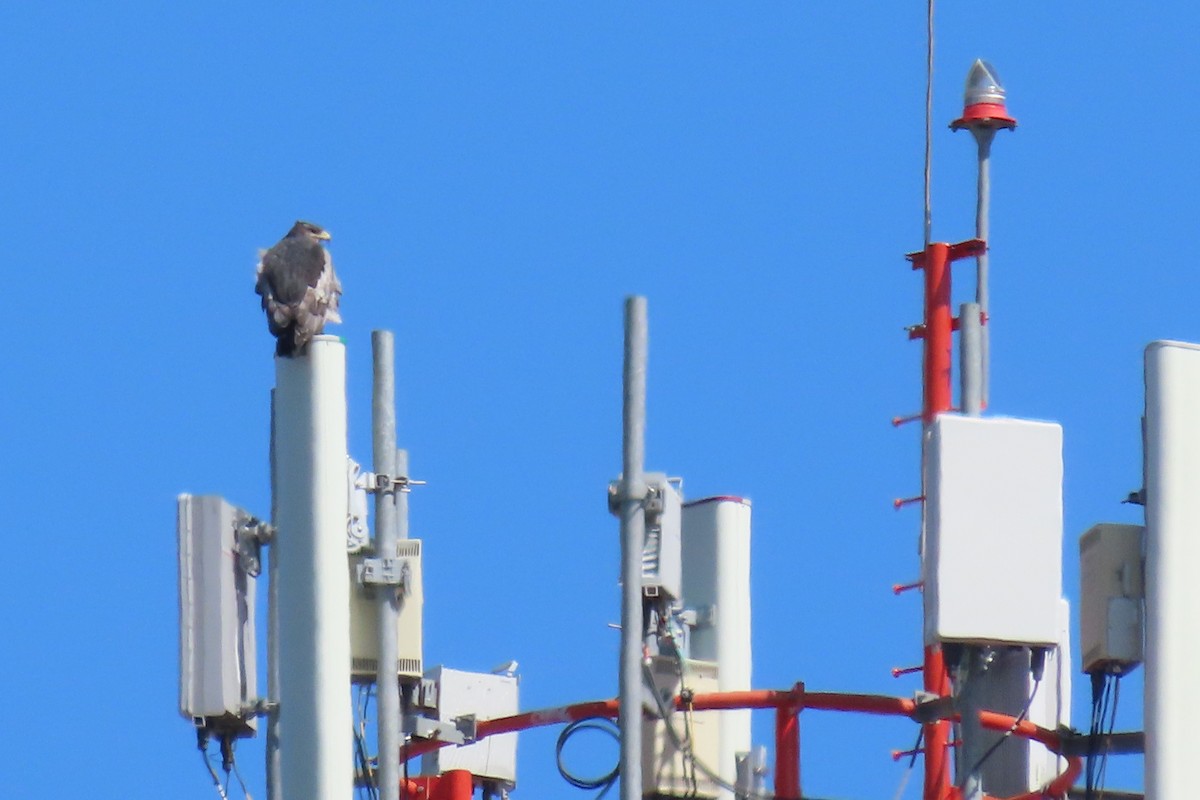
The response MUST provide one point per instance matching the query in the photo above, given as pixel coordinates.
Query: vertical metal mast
(936, 399)
(983, 195)
(314, 582)
(936, 331)
(984, 113)
(633, 528)
(383, 428)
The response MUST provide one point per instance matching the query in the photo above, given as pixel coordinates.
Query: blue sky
(497, 178)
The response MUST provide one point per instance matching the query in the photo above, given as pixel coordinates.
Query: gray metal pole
(274, 785)
(972, 729)
(387, 687)
(971, 356)
(983, 192)
(633, 530)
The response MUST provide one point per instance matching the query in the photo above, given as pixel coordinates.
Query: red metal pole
(937, 734)
(787, 745)
(938, 356)
(787, 754)
(939, 326)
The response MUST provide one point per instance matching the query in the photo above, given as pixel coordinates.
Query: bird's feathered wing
(300, 292)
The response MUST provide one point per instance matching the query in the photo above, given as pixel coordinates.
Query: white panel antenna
(716, 587)
(993, 535)
(1172, 470)
(217, 665)
(662, 567)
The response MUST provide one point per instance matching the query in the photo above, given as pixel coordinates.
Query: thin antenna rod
(633, 530)
(383, 424)
(983, 139)
(928, 122)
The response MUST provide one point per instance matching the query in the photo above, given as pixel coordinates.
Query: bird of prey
(299, 288)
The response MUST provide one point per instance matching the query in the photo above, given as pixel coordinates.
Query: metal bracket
(1120, 743)
(462, 730)
(260, 708)
(394, 572)
(1137, 497)
(250, 534)
(427, 693)
(376, 483)
(932, 708)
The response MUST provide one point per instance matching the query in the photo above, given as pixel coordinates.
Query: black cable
(202, 746)
(603, 782)
(1101, 692)
(1112, 723)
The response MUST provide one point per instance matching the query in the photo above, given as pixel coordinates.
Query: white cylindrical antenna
(716, 585)
(1172, 462)
(383, 424)
(314, 586)
(632, 496)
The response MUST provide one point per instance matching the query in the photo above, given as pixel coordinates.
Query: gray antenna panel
(217, 666)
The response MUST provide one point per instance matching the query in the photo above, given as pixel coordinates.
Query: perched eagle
(299, 288)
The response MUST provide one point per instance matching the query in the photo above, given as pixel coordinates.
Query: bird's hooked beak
(324, 235)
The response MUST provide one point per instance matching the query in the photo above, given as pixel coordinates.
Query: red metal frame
(453, 784)
(937, 333)
(788, 704)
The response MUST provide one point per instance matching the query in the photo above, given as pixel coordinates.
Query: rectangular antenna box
(667, 772)
(217, 671)
(364, 618)
(1111, 592)
(662, 553)
(993, 531)
(487, 696)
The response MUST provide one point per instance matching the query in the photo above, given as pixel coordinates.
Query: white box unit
(217, 666)
(662, 559)
(1112, 591)
(993, 531)
(1019, 765)
(486, 696)
(667, 772)
(364, 619)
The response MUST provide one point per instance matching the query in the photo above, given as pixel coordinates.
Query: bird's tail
(285, 343)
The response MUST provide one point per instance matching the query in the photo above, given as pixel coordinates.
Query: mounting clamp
(394, 572)
(462, 730)
(251, 534)
(380, 483)
(932, 708)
